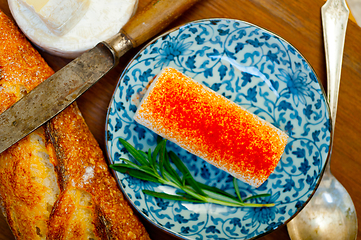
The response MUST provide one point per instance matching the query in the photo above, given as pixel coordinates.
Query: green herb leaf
(216, 190)
(161, 158)
(145, 155)
(221, 197)
(236, 188)
(150, 159)
(186, 174)
(172, 180)
(134, 152)
(156, 151)
(257, 196)
(144, 168)
(136, 173)
(170, 169)
(130, 163)
(159, 139)
(120, 167)
(170, 196)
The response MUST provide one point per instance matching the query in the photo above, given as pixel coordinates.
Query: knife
(61, 89)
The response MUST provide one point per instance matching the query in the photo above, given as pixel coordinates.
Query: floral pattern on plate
(259, 71)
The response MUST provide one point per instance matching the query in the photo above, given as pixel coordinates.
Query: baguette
(28, 182)
(55, 183)
(86, 182)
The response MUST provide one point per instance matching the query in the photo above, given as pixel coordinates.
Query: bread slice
(212, 127)
(87, 183)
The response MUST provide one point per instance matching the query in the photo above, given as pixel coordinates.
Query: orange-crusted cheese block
(212, 127)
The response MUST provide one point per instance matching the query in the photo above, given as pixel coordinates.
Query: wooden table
(299, 22)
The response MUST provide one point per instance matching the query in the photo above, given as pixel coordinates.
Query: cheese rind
(58, 15)
(212, 127)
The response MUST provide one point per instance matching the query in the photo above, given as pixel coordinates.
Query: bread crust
(55, 184)
(21, 67)
(83, 168)
(28, 187)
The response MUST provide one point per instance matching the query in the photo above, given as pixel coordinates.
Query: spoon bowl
(330, 214)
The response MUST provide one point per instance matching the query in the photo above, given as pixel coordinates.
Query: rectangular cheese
(212, 127)
(60, 16)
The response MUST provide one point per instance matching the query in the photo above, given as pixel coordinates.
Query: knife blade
(61, 89)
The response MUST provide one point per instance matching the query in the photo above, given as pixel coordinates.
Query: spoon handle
(334, 22)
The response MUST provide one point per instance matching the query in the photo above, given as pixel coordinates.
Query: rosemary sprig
(156, 167)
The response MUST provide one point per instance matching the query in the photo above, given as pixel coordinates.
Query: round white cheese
(101, 20)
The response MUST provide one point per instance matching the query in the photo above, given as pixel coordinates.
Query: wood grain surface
(299, 22)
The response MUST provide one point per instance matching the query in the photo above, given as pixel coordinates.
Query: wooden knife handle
(154, 18)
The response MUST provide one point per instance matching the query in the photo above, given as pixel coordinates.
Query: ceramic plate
(261, 72)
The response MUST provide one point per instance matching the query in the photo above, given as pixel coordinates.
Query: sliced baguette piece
(85, 175)
(212, 127)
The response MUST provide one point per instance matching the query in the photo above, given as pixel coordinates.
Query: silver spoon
(330, 214)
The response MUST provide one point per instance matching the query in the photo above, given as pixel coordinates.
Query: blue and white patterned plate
(256, 69)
